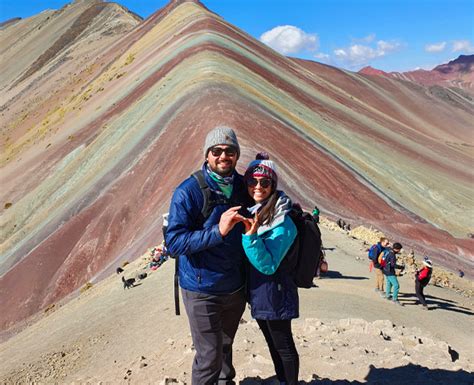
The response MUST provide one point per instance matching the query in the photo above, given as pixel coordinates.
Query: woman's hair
(267, 212)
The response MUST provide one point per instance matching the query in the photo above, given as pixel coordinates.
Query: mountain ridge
(458, 72)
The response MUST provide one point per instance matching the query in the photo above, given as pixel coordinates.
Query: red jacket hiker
(422, 278)
(424, 275)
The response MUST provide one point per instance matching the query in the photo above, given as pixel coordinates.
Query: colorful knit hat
(262, 166)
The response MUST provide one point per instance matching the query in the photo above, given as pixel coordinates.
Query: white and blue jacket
(273, 294)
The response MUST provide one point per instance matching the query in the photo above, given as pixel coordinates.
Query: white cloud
(385, 47)
(322, 56)
(436, 47)
(359, 55)
(367, 39)
(464, 46)
(288, 39)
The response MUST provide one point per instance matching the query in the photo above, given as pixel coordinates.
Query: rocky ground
(346, 334)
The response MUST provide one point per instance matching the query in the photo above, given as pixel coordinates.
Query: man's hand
(228, 220)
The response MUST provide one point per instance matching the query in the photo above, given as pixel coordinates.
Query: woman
(422, 279)
(273, 294)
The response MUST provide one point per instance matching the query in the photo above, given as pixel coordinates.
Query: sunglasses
(229, 151)
(264, 183)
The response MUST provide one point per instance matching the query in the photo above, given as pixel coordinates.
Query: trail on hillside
(346, 333)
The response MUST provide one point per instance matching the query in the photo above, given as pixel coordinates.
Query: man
(374, 253)
(212, 260)
(390, 265)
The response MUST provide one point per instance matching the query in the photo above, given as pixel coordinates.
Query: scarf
(225, 183)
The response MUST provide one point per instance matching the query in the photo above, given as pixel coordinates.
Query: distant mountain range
(457, 73)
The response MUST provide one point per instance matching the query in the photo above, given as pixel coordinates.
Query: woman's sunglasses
(264, 183)
(229, 151)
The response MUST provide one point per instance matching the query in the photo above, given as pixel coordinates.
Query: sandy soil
(347, 334)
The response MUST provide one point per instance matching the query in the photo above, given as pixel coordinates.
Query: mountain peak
(368, 70)
(458, 73)
(463, 59)
(463, 64)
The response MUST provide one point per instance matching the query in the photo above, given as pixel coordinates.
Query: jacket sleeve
(181, 237)
(266, 254)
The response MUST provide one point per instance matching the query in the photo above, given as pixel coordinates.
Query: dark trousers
(282, 349)
(419, 292)
(213, 320)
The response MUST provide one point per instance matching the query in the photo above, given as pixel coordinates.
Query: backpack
(306, 252)
(382, 258)
(374, 252)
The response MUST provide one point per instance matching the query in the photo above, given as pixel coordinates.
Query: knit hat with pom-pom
(262, 166)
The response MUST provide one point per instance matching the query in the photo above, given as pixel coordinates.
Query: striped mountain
(104, 114)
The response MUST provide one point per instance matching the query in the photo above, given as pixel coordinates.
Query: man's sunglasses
(264, 183)
(229, 151)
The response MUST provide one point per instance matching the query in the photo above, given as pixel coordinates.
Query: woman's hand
(251, 225)
(248, 224)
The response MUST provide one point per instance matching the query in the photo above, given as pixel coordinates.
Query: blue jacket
(273, 294)
(208, 263)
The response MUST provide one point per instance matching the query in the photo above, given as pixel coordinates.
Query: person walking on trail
(376, 252)
(315, 214)
(390, 264)
(211, 257)
(273, 294)
(422, 279)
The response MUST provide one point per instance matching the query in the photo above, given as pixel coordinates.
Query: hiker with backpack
(204, 231)
(422, 278)
(389, 263)
(273, 293)
(375, 256)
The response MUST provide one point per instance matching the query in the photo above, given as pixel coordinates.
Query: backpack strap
(206, 192)
(176, 285)
(209, 199)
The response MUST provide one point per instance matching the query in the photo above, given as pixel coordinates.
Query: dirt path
(346, 333)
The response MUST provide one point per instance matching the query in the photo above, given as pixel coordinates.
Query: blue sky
(392, 35)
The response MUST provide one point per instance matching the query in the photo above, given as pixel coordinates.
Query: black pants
(419, 292)
(213, 320)
(282, 349)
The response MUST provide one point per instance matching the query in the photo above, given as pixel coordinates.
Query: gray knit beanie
(221, 135)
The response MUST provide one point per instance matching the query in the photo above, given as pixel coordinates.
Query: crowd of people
(383, 260)
(231, 235)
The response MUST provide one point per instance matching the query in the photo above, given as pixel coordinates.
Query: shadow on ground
(336, 274)
(434, 303)
(409, 374)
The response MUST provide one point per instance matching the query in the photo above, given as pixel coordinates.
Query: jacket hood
(282, 208)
